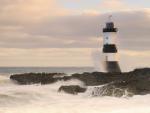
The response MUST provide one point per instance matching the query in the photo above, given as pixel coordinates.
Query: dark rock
(136, 82)
(34, 78)
(72, 89)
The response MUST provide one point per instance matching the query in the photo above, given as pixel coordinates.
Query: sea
(38, 98)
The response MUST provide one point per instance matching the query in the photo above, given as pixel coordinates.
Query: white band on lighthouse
(110, 37)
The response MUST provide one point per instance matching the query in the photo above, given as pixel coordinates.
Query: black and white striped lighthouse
(110, 50)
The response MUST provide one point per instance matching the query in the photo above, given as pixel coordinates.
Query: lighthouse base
(112, 67)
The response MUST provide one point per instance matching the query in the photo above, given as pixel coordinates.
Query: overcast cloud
(79, 31)
(46, 24)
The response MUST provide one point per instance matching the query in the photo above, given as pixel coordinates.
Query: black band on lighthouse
(110, 30)
(112, 66)
(109, 48)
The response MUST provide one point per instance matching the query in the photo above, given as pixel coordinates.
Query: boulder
(72, 89)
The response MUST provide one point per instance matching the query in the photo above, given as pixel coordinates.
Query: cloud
(44, 24)
(80, 31)
(44, 33)
(113, 5)
(129, 60)
(45, 57)
(29, 11)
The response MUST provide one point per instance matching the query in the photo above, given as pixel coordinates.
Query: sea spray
(97, 60)
(45, 99)
(107, 90)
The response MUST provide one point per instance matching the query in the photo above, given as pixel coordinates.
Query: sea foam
(45, 99)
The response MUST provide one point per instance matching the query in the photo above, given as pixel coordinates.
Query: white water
(45, 99)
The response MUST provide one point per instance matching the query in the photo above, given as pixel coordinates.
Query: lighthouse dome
(110, 25)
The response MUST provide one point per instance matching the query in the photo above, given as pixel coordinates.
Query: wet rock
(72, 89)
(34, 78)
(136, 82)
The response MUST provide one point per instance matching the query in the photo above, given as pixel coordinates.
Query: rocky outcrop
(34, 78)
(136, 82)
(72, 89)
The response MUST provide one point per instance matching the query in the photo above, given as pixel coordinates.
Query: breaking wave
(45, 99)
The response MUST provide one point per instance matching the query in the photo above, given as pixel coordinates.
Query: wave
(4, 80)
(45, 99)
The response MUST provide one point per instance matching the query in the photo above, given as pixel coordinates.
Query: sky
(69, 32)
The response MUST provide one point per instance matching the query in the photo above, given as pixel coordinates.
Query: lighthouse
(110, 51)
